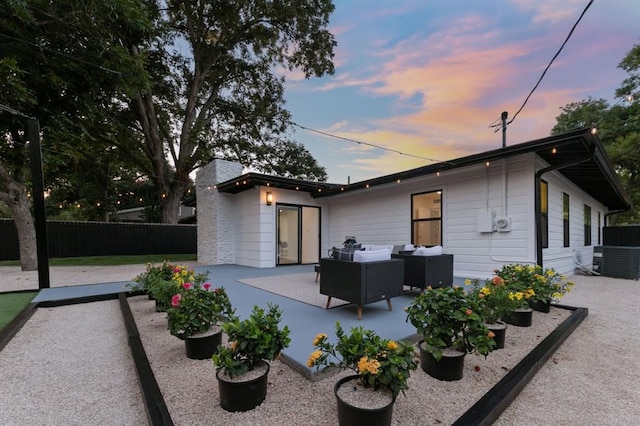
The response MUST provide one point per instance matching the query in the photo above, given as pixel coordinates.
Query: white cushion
(428, 251)
(375, 247)
(409, 247)
(371, 255)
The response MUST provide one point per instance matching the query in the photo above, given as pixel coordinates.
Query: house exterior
(540, 202)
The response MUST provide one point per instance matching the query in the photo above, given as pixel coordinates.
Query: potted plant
(144, 281)
(382, 369)
(166, 280)
(194, 315)
(451, 326)
(521, 281)
(494, 303)
(242, 366)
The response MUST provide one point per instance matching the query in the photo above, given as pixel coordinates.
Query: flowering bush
(447, 318)
(534, 282)
(380, 363)
(196, 309)
(252, 340)
(163, 281)
(493, 298)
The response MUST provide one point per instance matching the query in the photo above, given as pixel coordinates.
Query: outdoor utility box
(598, 252)
(620, 262)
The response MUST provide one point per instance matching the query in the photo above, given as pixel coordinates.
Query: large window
(544, 213)
(426, 219)
(587, 225)
(599, 227)
(565, 219)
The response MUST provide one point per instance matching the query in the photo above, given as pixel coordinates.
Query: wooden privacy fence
(624, 236)
(76, 239)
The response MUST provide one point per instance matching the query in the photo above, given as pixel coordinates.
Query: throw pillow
(371, 255)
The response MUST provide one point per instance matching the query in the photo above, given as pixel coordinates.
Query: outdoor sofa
(361, 282)
(423, 268)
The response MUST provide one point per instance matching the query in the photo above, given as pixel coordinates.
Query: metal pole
(33, 135)
(504, 128)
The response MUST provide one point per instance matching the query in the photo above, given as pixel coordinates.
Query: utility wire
(548, 66)
(14, 111)
(366, 143)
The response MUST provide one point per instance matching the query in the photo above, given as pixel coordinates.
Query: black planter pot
(348, 415)
(202, 347)
(242, 396)
(500, 331)
(449, 368)
(541, 306)
(520, 317)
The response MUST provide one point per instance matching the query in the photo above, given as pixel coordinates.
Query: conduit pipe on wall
(538, 207)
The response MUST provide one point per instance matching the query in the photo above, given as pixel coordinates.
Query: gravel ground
(591, 379)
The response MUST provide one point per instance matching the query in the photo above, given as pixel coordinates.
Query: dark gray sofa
(422, 271)
(361, 282)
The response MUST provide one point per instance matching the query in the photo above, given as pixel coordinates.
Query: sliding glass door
(298, 232)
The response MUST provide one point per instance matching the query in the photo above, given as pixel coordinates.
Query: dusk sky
(428, 77)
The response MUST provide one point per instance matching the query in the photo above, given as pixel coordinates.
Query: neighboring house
(186, 214)
(543, 202)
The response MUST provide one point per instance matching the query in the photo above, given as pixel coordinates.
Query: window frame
(587, 225)
(415, 221)
(566, 210)
(544, 212)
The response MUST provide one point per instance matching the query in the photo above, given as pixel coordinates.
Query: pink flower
(176, 270)
(175, 300)
(206, 286)
(187, 286)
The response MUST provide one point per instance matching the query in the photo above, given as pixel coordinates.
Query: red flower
(468, 312)
(206, 286)
(498, 280)
(187, 286)
(175, 300)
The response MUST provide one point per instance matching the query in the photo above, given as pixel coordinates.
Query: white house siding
(556, 256)
(255, 228)
(382, 215)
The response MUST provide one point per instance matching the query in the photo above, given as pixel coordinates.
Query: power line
(365, 143)
(548, 66)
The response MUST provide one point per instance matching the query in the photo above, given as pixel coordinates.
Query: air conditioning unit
(503, 224)
(621, 262)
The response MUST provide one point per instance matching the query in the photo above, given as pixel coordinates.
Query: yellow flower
(557, 295)
(313, 358)
(519, 295)
(467, 282)
(366, 365)
(319, 338)
(485, 290)
(511, 296)
(392, 345)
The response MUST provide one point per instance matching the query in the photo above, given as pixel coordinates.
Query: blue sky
(428, 77)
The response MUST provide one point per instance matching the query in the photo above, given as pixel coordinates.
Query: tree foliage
(152, 90)
(618, 127)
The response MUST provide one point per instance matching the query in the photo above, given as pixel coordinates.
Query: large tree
(53, 69)
(618, 127)
(215, 86)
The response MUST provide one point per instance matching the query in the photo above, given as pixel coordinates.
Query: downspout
(538, 206)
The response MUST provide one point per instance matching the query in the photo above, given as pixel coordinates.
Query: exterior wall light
(269, 198)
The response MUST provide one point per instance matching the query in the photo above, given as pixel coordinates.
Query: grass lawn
(112, 260)
(11, 304)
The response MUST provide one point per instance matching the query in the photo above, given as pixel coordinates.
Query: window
(587, 225)
(426, 219)
(599, 227)
(565, 219)
(544, 213)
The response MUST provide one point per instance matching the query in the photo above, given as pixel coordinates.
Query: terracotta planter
(520, 317)
(242, 395)
(449, 368)
(500, 331)
(203, 346)
(541, 306)
(350, 415)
